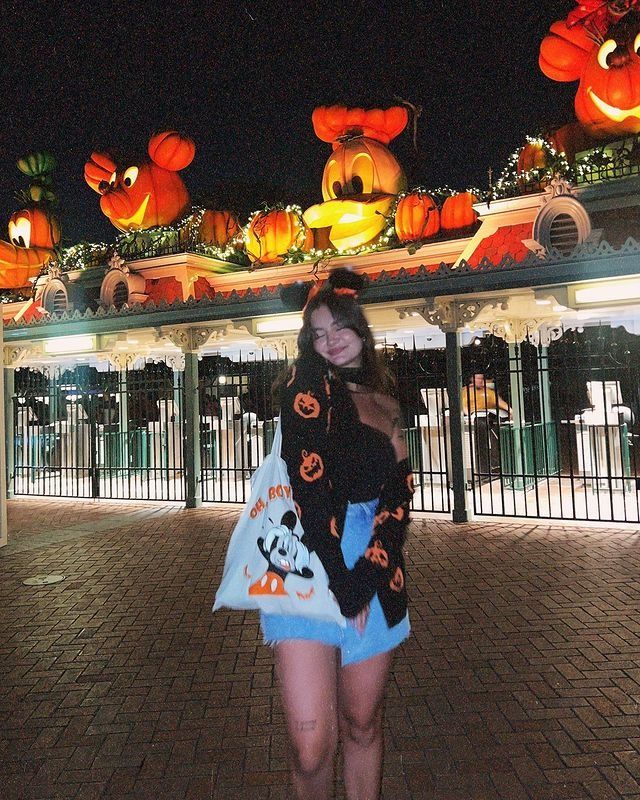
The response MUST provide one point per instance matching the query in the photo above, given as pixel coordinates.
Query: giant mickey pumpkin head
(146, 193)
(361, 177)
(598, 44)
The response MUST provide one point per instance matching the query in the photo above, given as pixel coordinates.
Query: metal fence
(548, 432)
(120, 434)
(89, 433)
(553, 432)
(239, 412)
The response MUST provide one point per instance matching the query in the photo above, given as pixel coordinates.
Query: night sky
(242, 78)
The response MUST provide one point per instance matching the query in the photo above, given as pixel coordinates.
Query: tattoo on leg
(306, 725)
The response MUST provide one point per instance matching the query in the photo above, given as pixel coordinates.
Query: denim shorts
(377, 636)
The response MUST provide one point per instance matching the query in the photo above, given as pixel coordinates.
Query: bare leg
(361, 689)
(307, 673)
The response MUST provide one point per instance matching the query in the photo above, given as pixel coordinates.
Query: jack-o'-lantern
(306, 405)
(311, 467)
(145, 193)
(458, 212)
(397, 582)
(218, 228)
(598, 44)
(377, 554)
(361, 177)
(34, 231)
(273, 232)
(417, 217)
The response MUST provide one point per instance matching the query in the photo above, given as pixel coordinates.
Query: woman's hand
(359, 622)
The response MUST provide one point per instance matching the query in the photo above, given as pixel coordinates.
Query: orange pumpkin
(361, 166)
(417, 217)
(377, 554)
(457, 212)
(311, 467)
(171, 150)
(18, 265)
(34, 227)
(397, 582)
(532, 156)
(218, 228)
(332, 122)
(607, 101)
(361, 177)
(306, 405)
(272, 233)
(145, 193)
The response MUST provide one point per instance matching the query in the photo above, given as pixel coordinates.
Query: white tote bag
(267, 566)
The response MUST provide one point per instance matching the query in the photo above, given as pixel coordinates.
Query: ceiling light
(279, 324)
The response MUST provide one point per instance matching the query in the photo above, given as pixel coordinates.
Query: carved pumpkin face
(607, 101)
(608, 97)
(145, 193)
(360, 180)
(397, 582)
(311, 467)
(34, 227)
(306, 405)
(377, 554)
(361, 166)
(33, 234)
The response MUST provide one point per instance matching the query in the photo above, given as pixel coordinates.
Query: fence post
(461, 512)
(191, 441)
(10, 439)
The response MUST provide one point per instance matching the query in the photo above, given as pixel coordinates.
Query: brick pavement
(521, 680)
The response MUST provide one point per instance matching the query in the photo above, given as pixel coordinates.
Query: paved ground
(522, 678)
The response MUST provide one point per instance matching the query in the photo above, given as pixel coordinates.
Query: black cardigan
(318, 418)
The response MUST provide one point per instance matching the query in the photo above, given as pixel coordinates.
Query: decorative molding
(117, 262)
(189, 340)
(122, 359)
(602, 251)
(452, 315)
(15, 356)
(54, 271)
(558, 187)
(285, 346)
(119, 272)
(176, 361)
(536, 331)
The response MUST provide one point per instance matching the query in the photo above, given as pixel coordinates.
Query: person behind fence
(345, 451)
(481, 395)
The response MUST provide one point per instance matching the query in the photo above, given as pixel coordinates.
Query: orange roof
(507, 240)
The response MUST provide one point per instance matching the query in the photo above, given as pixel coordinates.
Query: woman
(347, 462)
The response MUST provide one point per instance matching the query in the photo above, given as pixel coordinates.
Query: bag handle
(276, 447)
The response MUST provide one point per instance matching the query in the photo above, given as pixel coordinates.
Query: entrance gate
(86, 433)
(553, 431)
(564, 445)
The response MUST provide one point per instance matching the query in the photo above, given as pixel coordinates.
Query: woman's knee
(312, 749)
(361, 727)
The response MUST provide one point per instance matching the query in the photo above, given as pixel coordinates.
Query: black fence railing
(554, 432)
(548, 432)
(89, 433)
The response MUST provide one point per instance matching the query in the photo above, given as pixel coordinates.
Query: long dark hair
(339, 295)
